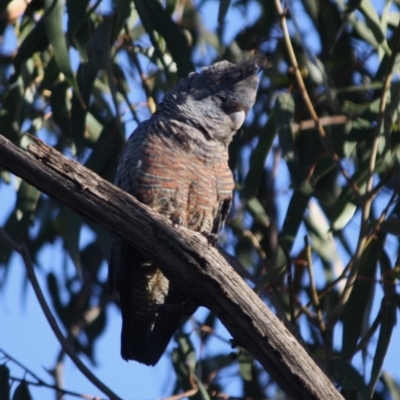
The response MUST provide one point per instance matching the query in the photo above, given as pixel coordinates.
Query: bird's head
(217, 99)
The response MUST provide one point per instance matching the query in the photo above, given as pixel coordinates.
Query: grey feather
(177, 163)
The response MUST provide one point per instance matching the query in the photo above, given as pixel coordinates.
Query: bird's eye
(237, 117)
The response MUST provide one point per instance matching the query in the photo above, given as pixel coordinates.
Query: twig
(40, 382)
(314, 294)
(368, 335)
(382, 107)
(255, 242)
(73, 331)
(58, 376)
(304, 309)
(385, 211)
(326, 291)
(145, 85)
(179, 396)
(23, 251)
(16, 362)
(370, 194)
(56, 388)
(307, 100)
(324, 121)
(384, 180)
(208, 330)
(261, 289)
(124, 93)
(365, 200)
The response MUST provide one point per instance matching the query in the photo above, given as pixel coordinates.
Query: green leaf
(322, 240)
(44, 213)
(393, 274)
(68, 224)
(3, 6)
(359, 129)
(54, 290)
(92, 258)
(345, 215)
(392, 17)
(271, 276)
(96, 328)
(170, 6)
(322, 168)
(360, 109)
(27, 198)
(284, 113)
(61, 107)
(346, 203)
(20, 220)
(223, 9)
(78, 27)
(123, 12)
(348, 378)
(352, 5)
(210, 365)
(388, 314)
(387, 272)
(77, 15)
(372, 20)
(9, 113)
(186, 350)
(383, 68)
(254, 389)
(22, 392)
(244, 251)
(245, 361)
(107, 148)
(53, 22)
(257, 211)
(365, 32)
(202, 394)
(51, 74)
(93, 130)
(36, 40)
(354, 313)
(155, 18)
(86, 76)
(184, 363)
(391, 385)
(5, 386)
(15, 229)
(210, 321)
(294, 218)
(258, 158)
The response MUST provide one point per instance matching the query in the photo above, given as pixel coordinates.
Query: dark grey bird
(177, 163)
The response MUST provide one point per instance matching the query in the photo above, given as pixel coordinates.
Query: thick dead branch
(183, 256)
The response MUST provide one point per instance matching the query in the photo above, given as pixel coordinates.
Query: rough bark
(184, 256)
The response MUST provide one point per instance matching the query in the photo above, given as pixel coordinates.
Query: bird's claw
(212, 238)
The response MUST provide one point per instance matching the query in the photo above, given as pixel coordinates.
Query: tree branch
(184, 256)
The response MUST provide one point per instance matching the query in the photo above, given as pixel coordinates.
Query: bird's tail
(151, 308)
(130, 280)
(169, 318)
(137, 318)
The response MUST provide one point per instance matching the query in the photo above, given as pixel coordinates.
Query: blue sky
(25, 333)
